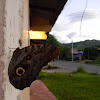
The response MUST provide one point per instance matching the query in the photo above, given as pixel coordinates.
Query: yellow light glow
(38, 35)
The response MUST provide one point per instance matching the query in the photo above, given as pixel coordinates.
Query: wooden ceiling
(43, 13)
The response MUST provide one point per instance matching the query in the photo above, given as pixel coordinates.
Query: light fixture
(37, 35)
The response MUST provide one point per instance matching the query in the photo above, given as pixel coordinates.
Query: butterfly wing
(26, 63)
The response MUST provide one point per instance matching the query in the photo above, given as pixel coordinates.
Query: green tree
(52, 40)
(65, 53)
(90, 53)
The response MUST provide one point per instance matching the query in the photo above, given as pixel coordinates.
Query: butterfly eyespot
(20, 71)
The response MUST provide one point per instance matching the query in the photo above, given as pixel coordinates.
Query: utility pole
(72, 50)
(70, 36)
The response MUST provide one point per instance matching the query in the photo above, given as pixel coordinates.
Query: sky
(78, 21)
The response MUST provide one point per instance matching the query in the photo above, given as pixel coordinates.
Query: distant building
(77, 55)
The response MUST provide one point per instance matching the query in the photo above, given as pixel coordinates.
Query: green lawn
(78, 87)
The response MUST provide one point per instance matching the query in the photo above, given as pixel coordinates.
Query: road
(69, 67)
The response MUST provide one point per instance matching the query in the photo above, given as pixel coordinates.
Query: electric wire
(82, 17)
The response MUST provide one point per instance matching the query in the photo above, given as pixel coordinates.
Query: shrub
(98, 59)
(80, 69)
(51, 67)
(90, 62)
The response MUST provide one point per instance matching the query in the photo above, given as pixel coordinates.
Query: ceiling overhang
(43, 13)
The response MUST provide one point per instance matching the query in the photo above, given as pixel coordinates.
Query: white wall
(16, 35)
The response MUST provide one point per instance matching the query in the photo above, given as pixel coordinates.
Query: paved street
(69, 67)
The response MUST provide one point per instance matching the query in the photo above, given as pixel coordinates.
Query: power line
(83, 16)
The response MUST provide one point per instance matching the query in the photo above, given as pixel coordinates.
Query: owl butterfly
(26, 63)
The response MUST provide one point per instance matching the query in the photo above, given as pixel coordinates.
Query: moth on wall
(26, 63)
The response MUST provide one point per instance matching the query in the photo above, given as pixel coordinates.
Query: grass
(79, 86)
(93, 62)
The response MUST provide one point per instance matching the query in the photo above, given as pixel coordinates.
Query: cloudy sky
(79, 20)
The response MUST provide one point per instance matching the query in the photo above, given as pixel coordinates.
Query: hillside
(83, 44)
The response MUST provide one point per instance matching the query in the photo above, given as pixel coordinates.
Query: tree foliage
(65, 52)
(90, 53)
(52, 40)
(83, 44)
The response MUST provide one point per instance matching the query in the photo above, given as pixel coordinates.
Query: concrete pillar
(14, 26)
(2, 40)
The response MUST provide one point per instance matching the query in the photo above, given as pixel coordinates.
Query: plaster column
(14, 27)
